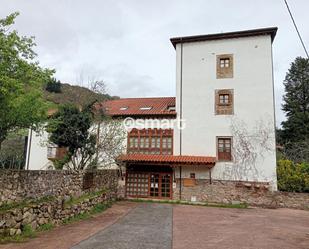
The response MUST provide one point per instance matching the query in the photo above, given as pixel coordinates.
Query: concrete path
(147, 226)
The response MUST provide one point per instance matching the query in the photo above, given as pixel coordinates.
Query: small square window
(224, 99)
(224, 62)
(192, 175)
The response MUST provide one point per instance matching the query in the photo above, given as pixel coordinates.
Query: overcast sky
(126, 42)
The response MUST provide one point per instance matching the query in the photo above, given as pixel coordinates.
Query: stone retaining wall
(52, 212)
(255, 194)
(21, 184)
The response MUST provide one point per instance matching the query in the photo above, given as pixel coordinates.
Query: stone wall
(52, 212)
(255, 194)
(23, 184)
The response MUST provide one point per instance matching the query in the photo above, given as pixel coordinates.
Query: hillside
(76, 95)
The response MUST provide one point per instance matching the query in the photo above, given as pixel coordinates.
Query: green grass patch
(75, 218)
(25, 203)
(205, 204)
(75, 200)
(26, 233)
(99, 208)
(45, 227)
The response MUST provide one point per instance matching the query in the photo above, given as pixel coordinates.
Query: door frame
(160, 184)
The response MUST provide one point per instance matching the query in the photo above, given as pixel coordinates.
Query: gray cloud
(126, 42)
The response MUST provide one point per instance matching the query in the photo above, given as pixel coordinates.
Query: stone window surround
(225, 72)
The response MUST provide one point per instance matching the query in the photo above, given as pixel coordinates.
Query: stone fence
(17, 185)
(35, 198)
(254, 194)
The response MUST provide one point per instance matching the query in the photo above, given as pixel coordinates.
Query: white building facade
(225, 96)
(220, 127)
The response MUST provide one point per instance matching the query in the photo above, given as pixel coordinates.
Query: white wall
(37, 151)
(253, 97)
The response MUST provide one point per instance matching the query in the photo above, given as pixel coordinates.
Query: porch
(153, 176)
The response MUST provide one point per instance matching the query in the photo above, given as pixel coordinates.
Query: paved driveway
(130, 225)
(148, 226)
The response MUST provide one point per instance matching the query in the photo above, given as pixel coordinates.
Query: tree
(69, 127)
(21, 81)
(53, 86)
(296, 102)
(111, 137)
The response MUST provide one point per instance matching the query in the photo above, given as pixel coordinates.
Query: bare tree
(249, 148)
(111, 137)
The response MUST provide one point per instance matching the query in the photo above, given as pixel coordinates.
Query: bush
(293, 177)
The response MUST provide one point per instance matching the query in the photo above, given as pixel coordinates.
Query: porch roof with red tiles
(207, 161)
(158, 106)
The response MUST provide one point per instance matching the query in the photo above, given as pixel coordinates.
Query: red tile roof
(131, 106)
(170, 159)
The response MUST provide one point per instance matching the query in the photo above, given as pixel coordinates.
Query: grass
(45, 227)
(99, 208)
(26, 233)
(220, 205)
(72, 201)
(25, 203)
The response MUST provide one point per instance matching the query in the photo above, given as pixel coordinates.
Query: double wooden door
(153, 184)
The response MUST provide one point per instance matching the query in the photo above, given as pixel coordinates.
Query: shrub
(293, 177)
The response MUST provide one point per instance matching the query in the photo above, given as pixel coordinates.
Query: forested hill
(76, 95)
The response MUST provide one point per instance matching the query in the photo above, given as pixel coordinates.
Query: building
(219, 128)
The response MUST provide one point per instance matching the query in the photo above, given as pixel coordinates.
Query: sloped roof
(236, 34)
(140, 106)
(170, 159)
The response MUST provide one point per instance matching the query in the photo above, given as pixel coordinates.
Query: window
(150, 141)
(224, 62)
(224, 66)
(51, 152)
(192, 175)
(171, 108)
(224, 148)
(54, 152)
(224, 99)
(145, 108)
(224, 102)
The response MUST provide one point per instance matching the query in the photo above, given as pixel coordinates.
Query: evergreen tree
(296, 102)
(53, 86)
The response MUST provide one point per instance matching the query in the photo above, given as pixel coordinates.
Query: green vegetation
(69, 127)
(294, 135)
(53, 86)
(25, 203)
(21, 81)
(100, 207)
(205, 204)
(293, 177)
(75, 200)
(75, 95)
(26, 233)
(45, 227)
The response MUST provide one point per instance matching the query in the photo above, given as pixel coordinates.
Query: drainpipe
(28, 149)
(180, 115)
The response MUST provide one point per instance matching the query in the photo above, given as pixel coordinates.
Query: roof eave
(229, 35)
